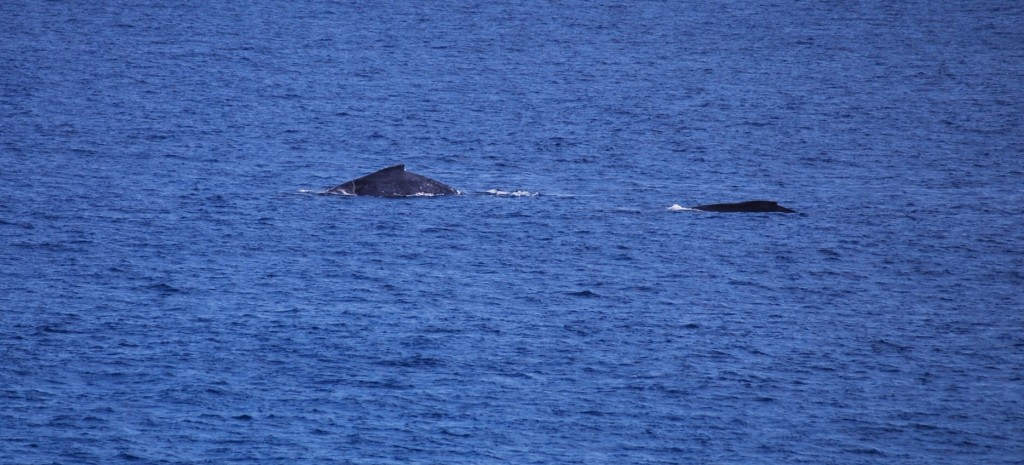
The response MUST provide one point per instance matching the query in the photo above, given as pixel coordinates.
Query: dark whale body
(393, 182)
(753, 206)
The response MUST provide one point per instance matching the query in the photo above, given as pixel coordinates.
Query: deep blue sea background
(173, 290)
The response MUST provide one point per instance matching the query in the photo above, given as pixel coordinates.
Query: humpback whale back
(752, 206)
(393, 181)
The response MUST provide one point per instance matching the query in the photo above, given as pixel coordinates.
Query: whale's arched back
(393, 181)
(751, 206)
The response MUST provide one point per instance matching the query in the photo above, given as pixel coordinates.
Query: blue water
(173, 289)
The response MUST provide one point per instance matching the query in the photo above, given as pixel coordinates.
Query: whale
(393, 181)
(750, 206)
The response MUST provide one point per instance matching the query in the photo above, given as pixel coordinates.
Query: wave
(516, 193)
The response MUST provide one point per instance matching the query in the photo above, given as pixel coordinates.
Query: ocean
(174, 289)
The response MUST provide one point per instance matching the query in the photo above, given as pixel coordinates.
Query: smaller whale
(394, 181)
(752, 206)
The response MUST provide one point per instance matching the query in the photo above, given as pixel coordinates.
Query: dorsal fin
(393, 168)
